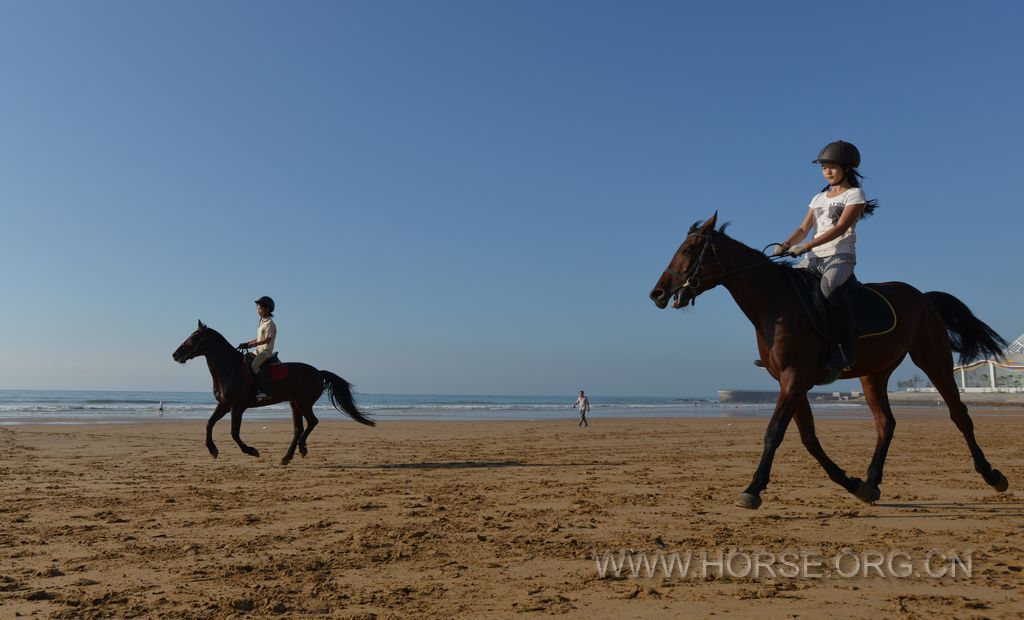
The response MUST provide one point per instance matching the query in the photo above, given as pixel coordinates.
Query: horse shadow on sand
(461, 465)
(917, 510)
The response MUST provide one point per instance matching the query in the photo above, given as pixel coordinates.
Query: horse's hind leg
(876, 394)
(236, 427)
(805, 424)
(296, 433)
(311, 422)
(940, 372)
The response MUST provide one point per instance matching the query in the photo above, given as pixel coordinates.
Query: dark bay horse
(929, 326)
(302, 387)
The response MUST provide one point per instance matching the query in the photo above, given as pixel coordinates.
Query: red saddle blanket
(273, 369)
(275, 372)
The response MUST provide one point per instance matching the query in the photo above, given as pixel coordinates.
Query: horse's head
(688, 273)
(195, 345)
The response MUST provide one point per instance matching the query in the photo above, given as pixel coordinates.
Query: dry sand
(496, 519)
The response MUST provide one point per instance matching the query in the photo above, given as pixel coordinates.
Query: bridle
(193, 349)
(692, 281)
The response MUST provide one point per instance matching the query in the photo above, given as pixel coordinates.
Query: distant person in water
(160, 407)
(266, 335)
(584, 406)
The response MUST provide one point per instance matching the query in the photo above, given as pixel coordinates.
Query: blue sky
(476, 197)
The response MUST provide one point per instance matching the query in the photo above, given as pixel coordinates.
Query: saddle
(272, 370)
(872, 312)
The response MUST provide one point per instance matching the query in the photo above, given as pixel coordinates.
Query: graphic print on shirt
(835, 211)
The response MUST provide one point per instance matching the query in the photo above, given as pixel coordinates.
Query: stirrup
(837, 358)
(846, 354)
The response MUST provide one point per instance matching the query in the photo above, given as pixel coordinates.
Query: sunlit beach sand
(498, 519)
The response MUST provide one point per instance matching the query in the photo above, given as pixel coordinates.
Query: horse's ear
(201, 326)
(710, 224)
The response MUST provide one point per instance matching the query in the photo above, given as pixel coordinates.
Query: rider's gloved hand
(244, 345)
(781, 249)
(799, 249)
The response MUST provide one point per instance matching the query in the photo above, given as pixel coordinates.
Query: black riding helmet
(266, 301)
(839, 152)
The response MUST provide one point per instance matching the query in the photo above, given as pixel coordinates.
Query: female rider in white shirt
(832, 251)
(266, 336)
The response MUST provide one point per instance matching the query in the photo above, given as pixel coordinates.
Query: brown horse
(302, 387)
(928, 327)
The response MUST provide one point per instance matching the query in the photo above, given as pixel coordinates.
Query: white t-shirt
(827, 212)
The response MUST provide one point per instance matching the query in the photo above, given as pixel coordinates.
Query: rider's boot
(840, 318)
(261, 386)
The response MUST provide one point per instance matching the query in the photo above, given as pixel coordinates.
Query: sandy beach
(502, 519)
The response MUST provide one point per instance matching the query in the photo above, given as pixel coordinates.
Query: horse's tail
(341, 397)
(968, 336)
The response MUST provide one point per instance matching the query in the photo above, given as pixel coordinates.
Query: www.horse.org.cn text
(741, 564)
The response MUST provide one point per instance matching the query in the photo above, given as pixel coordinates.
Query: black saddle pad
(873, 314)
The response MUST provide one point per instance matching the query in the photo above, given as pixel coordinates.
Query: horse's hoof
(867, 493)
(253, 452)
(303, 451)
(285, 460)
(214, 452)
(1001, 483)
(749, 501)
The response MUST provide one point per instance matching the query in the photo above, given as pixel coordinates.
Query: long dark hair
(853, 176)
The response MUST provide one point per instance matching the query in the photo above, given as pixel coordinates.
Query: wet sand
(499, 519)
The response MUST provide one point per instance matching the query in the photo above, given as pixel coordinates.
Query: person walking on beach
(833, 214)
(266, 336)
(584, 406)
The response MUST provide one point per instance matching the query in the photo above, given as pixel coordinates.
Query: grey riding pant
(834, 270)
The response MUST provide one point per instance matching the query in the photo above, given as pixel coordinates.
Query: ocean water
(103, 407)
(77, 407)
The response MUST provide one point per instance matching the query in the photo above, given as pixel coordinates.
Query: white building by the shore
(995, 375)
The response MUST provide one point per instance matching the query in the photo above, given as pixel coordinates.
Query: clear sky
(477, 197)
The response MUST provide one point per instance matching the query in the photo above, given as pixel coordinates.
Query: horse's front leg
(751, 498)
(218, 413)
(236, 426)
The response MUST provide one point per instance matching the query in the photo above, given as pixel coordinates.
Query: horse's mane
(217, 336)
(699, 223)
(787, 264)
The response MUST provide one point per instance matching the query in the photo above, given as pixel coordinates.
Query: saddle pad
(873, 314)
(273, 369)
(275, 372)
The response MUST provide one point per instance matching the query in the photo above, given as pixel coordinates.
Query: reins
(690, 279)
(746, 267)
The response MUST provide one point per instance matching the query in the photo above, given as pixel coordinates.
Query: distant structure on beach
(995, 375)
(770, 396)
